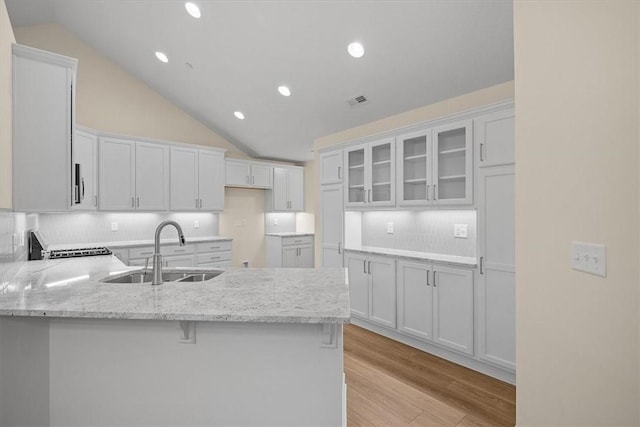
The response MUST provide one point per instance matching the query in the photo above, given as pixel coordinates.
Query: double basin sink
(182, 275)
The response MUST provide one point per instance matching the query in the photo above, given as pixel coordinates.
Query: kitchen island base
(89, 372)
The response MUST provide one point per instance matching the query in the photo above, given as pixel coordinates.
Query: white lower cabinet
(290, 251)
(435, 303)
(216, 254)
(372, 288)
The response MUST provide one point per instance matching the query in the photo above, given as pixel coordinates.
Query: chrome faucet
(157, 258)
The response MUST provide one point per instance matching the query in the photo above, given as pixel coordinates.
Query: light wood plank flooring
(391, 384)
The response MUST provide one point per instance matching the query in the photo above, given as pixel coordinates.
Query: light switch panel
(461, 231)
(114, 226)
(589, 258)
(196, 224)
(389, 228)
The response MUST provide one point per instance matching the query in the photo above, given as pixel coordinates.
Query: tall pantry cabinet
(494, 138)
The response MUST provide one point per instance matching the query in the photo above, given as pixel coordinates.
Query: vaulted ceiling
(416, 53)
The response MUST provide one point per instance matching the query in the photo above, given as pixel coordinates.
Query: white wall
(6, 134)
(577, 136)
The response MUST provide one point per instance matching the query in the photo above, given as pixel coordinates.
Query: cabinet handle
(339, 247)
(435, 192)
(428, 188)
(339, 172)
(481, 264)
(200, 203)
(95, 201)
(146, 253)
(434, 278)
(133, 202)
(248, 180)
(369, 196)
(138, 201)
(428, 284)
(369, 267)
(365, 266)
(82, 181)
(179, 250)
(214, 258)
(481, 145)
(253, 179)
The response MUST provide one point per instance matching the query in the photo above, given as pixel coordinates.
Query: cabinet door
(332, 221)
(84, 171)
(497, 285)
(355, 176)
(289, 257)
(358, 285)
(261, 176)
(415, 300)
(453, 308)
(237, 173)
(494, 135)
(296, 189)
(280, 187)
(331, 167)
(122, 255)
(152, 177)
(184, 179)
(414, 168)
(382, 174)
(116, 161)
(43, 120)
(305, 257)
(382, 272)
(211, 180)
(452, 164)
(179, 261)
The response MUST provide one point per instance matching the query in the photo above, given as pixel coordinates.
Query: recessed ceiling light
(193, 9)
(162, 57)
(239, 115)
(284, 91)
(356, 50)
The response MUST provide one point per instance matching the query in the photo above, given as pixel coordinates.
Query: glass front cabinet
(370, 174)
(435, 166)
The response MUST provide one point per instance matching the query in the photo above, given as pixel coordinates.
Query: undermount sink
(145, 276)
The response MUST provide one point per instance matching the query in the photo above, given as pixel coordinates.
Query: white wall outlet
(196, 223)
(390, 228)
(461, 231)
(275, 221)
(589, 258)
(114, 226)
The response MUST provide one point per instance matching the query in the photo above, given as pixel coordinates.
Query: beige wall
(110, 99)
(243, 219)
(6, 134)
(577, 120)
(490, 95)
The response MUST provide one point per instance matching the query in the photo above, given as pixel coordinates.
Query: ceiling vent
(358, 100)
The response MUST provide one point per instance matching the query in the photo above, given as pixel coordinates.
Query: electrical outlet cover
(390, 228)
(461, 231)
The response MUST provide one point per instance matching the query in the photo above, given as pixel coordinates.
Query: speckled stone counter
(136, 243)
(290, 234)
(71, 288)
(453, 260)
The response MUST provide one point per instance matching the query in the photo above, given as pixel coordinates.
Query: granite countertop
(290, 234)
(134, 243)
(454, 260)
(71, 288)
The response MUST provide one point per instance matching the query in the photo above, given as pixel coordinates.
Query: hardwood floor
(391, 384)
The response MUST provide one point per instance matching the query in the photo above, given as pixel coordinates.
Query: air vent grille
(357, 100)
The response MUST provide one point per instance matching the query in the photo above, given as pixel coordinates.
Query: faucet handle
(182, 240)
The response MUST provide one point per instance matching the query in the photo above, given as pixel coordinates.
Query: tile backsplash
(96, 227)
(421, 231)
(13, 241)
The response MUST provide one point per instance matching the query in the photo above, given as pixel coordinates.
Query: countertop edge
(426, 257)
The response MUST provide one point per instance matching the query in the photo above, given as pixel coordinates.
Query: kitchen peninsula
(249, 347)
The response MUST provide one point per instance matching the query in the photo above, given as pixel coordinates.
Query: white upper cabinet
(152, 177)
(287, 194)
(197, 180)
(435, 166)
(116, 167)
(85, 171)
(244, 173)
(43, 122)
(133, 175)
(331, 167)
(453, 164)
(370, 174)
(494, 136)
(211, 180)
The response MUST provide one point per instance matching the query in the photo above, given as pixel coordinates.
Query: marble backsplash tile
(421, 231)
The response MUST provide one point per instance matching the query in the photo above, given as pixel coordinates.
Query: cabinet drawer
(177, 250)
(303, 240)
(213, 246)
(215, 257)
(143, 252)
(223, 264)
